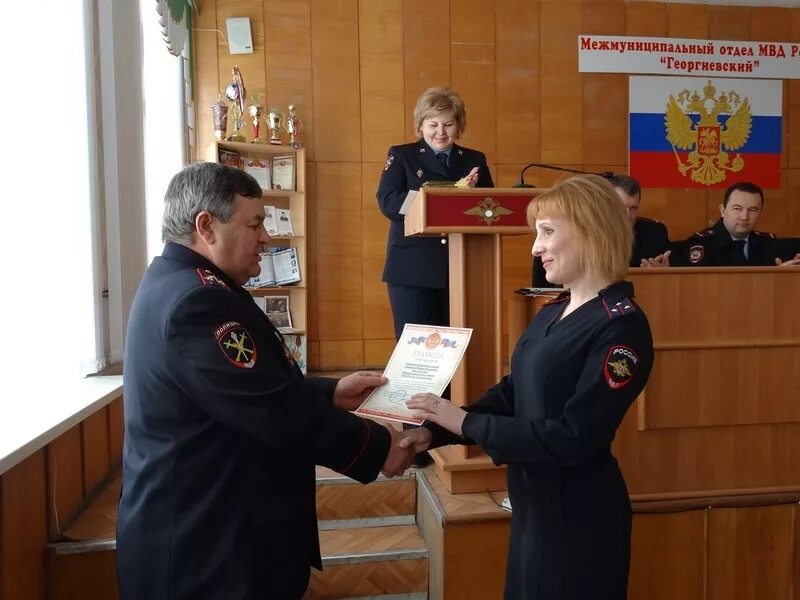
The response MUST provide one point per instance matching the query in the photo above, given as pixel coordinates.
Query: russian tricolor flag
(692, 132)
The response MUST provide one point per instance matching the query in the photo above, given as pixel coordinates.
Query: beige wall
(354, 69)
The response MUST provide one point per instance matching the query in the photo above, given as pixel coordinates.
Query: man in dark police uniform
(733, 240)
(222, 430)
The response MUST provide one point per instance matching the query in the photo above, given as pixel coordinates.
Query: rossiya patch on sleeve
(237, 344)
(620, 366)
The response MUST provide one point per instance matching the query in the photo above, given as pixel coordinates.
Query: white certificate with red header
(424, 360)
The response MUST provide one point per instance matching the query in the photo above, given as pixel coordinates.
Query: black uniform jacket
(650, 238)
(714, 247)
(222, 432)
(420, 261)
(552, 421)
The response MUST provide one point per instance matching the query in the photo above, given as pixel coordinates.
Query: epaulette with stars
(765, 234)
(620, 309)
(560, 298)
(704, 233)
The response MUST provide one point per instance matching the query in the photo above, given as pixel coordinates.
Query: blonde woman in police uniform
(416, 267)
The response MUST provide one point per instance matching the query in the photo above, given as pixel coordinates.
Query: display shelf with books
(284, 269)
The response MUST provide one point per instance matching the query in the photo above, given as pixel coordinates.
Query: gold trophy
(256, 112)
(236, 92)
(219, 112)
(293, 125)
(274, 120)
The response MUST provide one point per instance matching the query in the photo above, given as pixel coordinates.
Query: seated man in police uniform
(651, 245)
(733, 240)
(222, 430)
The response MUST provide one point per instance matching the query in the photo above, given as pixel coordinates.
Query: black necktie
(442, 156)
(740, 252)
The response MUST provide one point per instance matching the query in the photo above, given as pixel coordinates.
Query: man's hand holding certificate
(425, 359)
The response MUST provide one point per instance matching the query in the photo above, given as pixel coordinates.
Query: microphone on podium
(521, 183)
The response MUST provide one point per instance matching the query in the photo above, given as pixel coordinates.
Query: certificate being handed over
(424, 360)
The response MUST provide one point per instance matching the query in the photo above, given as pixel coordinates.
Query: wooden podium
(473, 219)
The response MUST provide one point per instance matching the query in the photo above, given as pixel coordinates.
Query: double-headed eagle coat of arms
(709, 140)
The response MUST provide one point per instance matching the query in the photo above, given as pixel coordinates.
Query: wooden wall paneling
(462, 554)
(667, 556)
(691, 210)
(335, 73)
(95, 449)
(64, 480)
(23, 529)
(116, 431)
(377, 313)
(688, 21)
(312, 248)
(377, 352)
(251, 66)
(605, 95)
(426, 51)
(729, 22)
(383, 108)
(707, 375)
(473, 70)
(749, 553)
(287, 63)
(796, 552)
(646, 18)
(518, 83)
(792, 186)
(341, 354)
(83, 576)
(340, 254)
(206, 75)
(561, 98)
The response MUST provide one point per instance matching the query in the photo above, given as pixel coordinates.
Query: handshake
(404, 445)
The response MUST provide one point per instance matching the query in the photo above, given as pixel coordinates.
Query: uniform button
(444, 241)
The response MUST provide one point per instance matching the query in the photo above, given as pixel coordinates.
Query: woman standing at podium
(416, 267)
(575, 371)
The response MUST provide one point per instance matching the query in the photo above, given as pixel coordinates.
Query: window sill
(36, 418)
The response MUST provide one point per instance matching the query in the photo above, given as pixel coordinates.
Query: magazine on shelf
(271, 220)
(287, 266)
(266, 278)
(285, 222)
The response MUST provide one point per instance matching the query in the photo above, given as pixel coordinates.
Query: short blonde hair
(436, 100)
(590, 204)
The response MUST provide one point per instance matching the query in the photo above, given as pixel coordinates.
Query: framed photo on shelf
(278, 312)
(283, 172)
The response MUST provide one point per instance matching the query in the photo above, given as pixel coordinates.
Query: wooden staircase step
(371, 562)
(341, 499)
(99, 520)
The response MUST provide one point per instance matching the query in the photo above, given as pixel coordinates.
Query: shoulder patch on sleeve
(389, 161)
(620, 309)
(620, 366)
(696, 253)
(209, 278)
(236, 344)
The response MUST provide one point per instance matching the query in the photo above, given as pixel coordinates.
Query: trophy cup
(219, 112)
(236, 92)
(293, 125)
(274, 120)
(256, 112)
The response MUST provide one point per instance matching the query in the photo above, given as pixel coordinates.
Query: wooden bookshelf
(295, 201)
